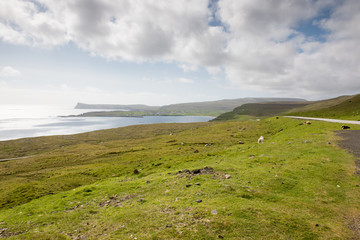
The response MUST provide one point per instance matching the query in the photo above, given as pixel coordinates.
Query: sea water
(22, 121)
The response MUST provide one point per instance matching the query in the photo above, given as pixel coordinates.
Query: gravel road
(326, 120)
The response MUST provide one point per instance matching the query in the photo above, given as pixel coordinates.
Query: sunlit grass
(294, 186)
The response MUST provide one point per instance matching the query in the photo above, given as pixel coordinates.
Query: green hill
(259, 110)
(343, 107)
(321, 104)
(346, 107)
(181, 181)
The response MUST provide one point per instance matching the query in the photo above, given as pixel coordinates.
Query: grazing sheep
(308, 122)
(261, 139)
(345, 127)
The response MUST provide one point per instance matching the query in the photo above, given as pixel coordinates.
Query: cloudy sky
(168, 51)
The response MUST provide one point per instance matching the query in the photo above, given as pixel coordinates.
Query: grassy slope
(347, 107)
(258, 110)
(294, 186)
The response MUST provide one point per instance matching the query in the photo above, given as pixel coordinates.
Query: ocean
(23, 121)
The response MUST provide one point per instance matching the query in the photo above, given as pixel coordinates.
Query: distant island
(209, 108)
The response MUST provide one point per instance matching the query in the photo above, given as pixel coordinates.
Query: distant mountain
(213, 108)
(134, 107)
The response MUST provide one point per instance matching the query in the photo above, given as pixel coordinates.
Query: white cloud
(262, 56)
(8, 71)
(185, 80)
(188, 67)
(258, 49)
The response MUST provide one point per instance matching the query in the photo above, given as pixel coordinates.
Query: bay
(34, 121)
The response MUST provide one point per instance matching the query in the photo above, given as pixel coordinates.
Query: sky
(159, 52)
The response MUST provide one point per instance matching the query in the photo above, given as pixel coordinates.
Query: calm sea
(33, 121)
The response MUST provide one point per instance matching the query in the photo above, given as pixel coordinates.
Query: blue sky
(163, 52)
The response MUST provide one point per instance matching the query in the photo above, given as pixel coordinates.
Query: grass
(294, 186)
(258, 110)
(344, 108)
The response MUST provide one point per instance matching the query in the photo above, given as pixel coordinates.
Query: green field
(182, 181)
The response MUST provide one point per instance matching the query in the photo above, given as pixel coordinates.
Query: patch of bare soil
(5, 233)
(116, 201)
(351, 142)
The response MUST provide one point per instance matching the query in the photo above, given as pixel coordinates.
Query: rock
(168, 225)
(136, 171)
(196, 171)
(219, 236)
(281, 130)
(316, 225)
(198, 201)
(182, 144)
(198, 184)
(196, 151)
(241, 142)
(208, 169)
(147, 181)
(214, 212)
(227, 176)
(141, 200)
(188, 185)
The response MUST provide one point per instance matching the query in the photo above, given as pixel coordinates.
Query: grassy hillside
(192, 181)
(347, 107)
(258, 110)
(321, 104)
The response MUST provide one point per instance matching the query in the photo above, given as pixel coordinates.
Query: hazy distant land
(209, 108)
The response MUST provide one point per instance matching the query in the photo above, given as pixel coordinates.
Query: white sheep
(261, 139)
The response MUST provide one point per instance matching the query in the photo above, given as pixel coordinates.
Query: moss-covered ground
(298, 184)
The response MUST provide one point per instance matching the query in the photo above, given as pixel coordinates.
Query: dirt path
(351, 142)
(326, 120)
